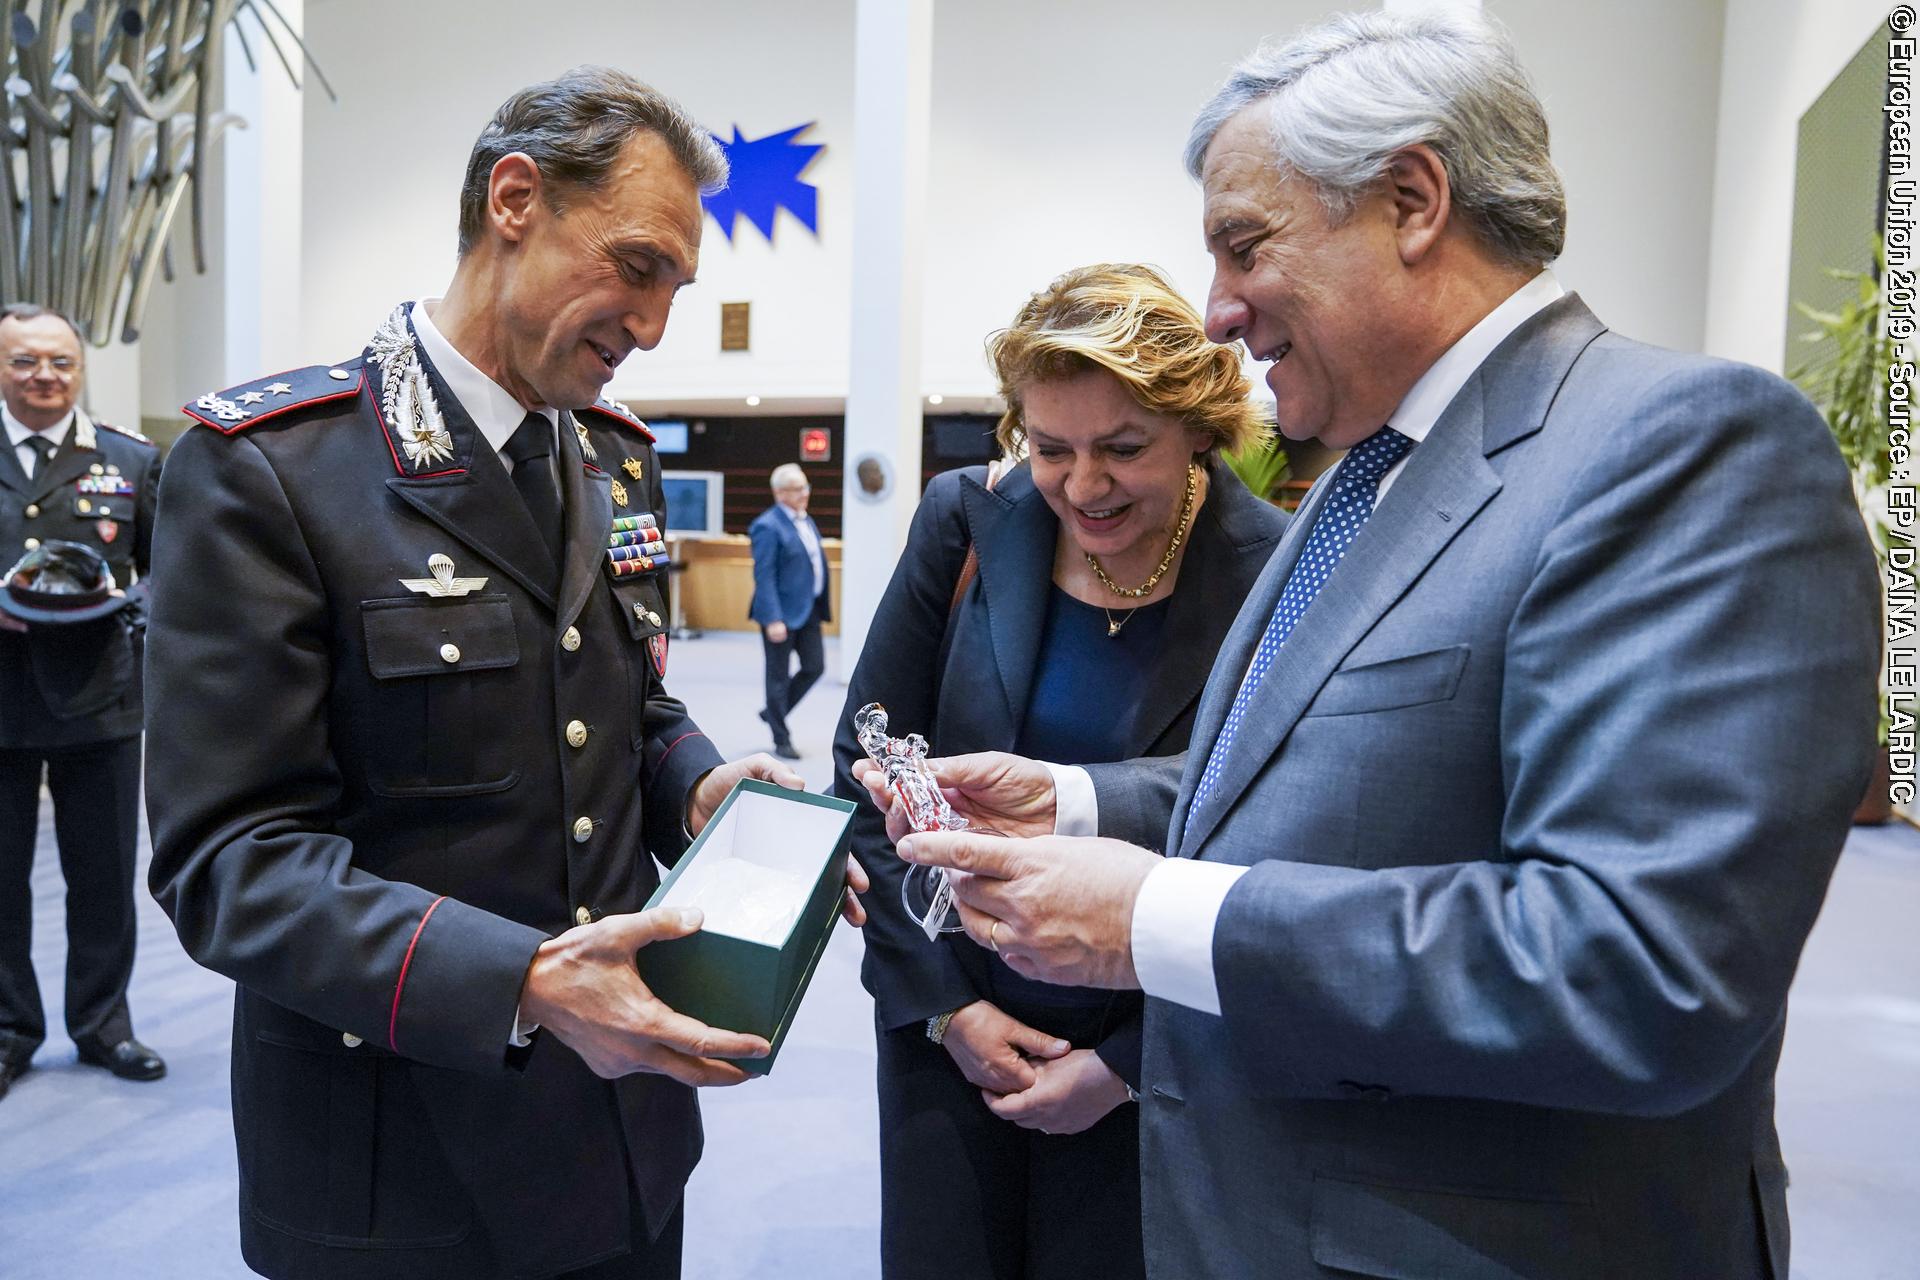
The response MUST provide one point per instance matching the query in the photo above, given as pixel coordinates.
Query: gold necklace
(1113, 628)
(1166, 561)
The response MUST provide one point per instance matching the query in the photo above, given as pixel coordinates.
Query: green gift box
(767, 872)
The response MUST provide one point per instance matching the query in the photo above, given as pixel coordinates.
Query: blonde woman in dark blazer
(1110, 563)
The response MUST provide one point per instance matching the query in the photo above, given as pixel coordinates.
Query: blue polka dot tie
(1355, 488)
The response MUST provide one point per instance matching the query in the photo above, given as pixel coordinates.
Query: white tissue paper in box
(743, 899)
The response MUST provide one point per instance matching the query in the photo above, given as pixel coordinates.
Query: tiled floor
(99, 1177)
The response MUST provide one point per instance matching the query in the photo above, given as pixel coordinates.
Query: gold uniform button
(449, 653)
(97, 470)
(653, 619)
(85, 506)
(570, 639)
(576, 734)
(583, 916)
(582, 829)
(338, 375)
(31, 543)
(32, 511)
(350, 1040)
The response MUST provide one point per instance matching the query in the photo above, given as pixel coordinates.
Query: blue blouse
(1088, 685)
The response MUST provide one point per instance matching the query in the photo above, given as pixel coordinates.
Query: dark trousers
(965, 1195)
(785, 687)
(96, 809)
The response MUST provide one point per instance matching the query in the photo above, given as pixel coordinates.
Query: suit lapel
(482, 509)
(1013, 527)
(1236, 651)
(1447, 481)
(587, 495)
(10, 473)
(470, 495)
(1445, 484)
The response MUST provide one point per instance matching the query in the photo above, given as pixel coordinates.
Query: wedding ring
(993, 936)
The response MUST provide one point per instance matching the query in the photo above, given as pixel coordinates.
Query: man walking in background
(789, 599)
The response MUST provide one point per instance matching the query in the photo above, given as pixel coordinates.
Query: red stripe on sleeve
(393, 1019)
(676, 742)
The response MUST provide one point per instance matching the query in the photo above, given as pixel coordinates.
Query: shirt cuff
(1173, 922)
(1076, 808)
(522, 1032)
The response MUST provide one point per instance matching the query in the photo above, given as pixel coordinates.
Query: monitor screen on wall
(669, 437)
(694, 501)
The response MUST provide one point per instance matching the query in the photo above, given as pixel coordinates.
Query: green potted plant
(1263, 468)
(1847, 380)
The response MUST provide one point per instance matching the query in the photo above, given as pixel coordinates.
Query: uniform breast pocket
(104, 522)
(643, 608)
(444, 699)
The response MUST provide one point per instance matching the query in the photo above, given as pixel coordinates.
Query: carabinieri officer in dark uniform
(411, 745)
(70, 698)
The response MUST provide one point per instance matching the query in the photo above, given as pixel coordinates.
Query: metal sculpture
(105, 137)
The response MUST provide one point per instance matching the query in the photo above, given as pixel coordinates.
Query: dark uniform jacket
(370, 805)
(62, 686)
(961, 675)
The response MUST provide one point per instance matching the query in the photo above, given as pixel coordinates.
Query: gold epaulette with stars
(252, 403)
(619, 413)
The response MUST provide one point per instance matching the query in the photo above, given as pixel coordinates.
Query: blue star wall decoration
(766, 175)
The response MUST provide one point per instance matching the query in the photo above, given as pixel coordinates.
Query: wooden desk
(716, 588)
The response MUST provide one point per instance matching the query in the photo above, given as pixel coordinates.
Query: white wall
(183, 343)
(1632, 92)
(1057, 133)
(384, 166)
(1056, 141)
(1779, 55)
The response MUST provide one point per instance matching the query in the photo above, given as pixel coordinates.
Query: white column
(893, 60)
(111, 392)
(261, 200)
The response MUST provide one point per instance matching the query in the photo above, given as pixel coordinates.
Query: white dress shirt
(1180, 901)
(810, 539)
(491, 406)
(18, 434)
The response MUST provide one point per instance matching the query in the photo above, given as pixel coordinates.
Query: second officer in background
(70, 698)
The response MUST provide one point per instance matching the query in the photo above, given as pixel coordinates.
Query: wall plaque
(733, 325)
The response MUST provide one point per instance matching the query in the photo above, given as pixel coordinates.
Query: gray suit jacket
(1540, 800)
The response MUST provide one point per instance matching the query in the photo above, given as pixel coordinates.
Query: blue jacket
(782, 573)
(1539, 805)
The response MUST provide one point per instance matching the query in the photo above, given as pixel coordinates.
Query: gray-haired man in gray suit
(1519, 779)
